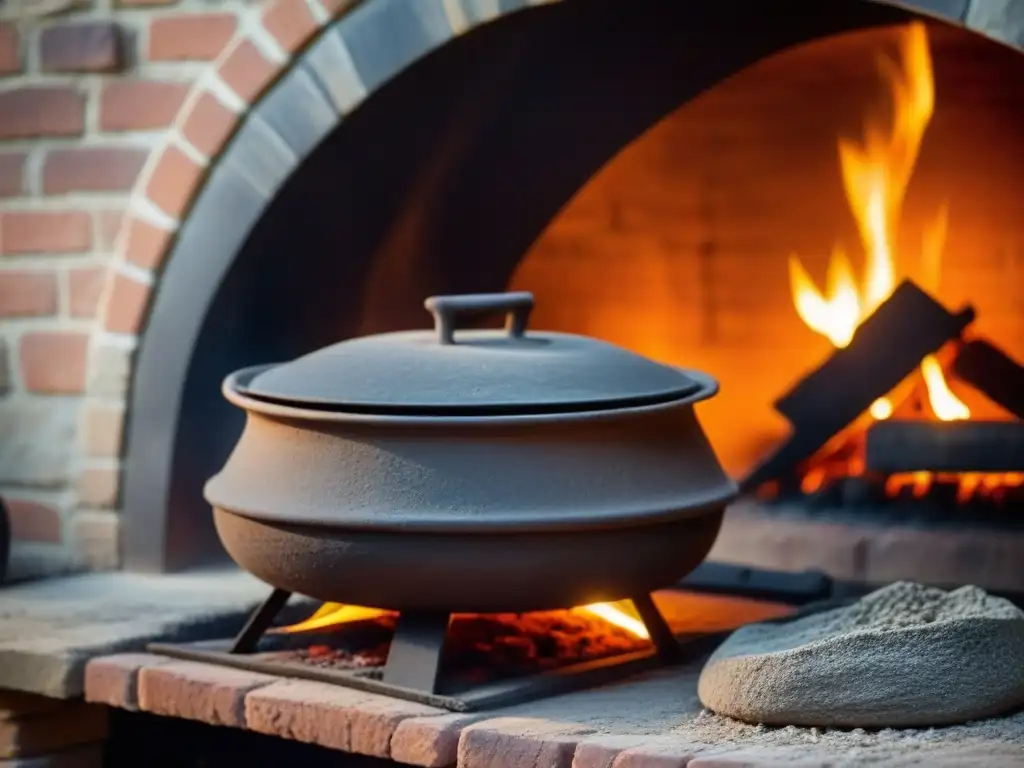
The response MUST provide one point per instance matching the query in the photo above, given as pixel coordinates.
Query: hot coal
(482, 647)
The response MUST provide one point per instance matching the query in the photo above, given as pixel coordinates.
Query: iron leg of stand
(259, 622)
(662, 636)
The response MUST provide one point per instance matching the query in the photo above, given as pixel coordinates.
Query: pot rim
(709, 502)
(230, 388)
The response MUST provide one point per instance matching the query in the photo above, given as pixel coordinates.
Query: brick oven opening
(915, 412)
(800, 230)
(668, 198)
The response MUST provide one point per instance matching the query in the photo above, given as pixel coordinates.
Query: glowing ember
(329, 615)
(478, 646)
(876, 172)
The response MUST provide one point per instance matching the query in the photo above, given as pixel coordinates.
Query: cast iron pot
(470, 470)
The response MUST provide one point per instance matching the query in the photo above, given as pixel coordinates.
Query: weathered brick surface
(12, 173)
(190, 36)
(53, 362)
(329, 715)
(117, 80)
(431, 742)
(602, 750)
(95, 537)
(27, 294)
(108, 227)
(145, 244)
(10, 49)
(126, 308)
(209, 124)
(97, 487)
(209, 694)
(246, 71)
(37, 440)
(174, 181)
(520, 742)
(52, 731)
(101, 429)
(138, 105)
(85, 286)
(94, 46)
(45, 231)
(657, 752)
(34, 111)
(108, 371)
(290, 22)
(113, 680)
(33, 521)
(96, 169)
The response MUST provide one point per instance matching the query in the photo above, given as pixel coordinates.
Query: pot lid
(466, 372)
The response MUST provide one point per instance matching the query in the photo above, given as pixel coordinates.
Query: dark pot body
(504, 513)
(473, 573)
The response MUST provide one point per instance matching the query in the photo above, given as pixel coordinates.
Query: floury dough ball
(904, 656)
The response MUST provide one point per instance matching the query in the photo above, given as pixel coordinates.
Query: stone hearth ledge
(652, 721)
(50, 629)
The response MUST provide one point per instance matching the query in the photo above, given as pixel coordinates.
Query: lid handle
(517, 305)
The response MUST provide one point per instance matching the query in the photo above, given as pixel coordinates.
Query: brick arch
(215, 139)
(218, 104)
(246, 68)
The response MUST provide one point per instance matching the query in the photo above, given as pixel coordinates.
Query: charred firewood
(993, 373)
(887, 348)
(945, 446)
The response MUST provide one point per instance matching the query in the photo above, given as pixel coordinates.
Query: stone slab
(32, 560)
(50, 629)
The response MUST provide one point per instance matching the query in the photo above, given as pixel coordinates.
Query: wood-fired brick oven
(661, 186)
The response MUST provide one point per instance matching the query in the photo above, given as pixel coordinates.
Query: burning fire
(876, 172)
(619, 614)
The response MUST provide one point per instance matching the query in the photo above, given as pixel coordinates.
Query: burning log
(992, 372)
(945, 446)
(886, 348)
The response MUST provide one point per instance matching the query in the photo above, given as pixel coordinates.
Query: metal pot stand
(413, 667)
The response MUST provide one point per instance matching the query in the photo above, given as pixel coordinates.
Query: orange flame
(876, 173)
(335, 614)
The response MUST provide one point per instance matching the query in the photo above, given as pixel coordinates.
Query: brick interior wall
(678, 247)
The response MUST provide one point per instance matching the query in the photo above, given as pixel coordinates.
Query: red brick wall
(89, 95)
